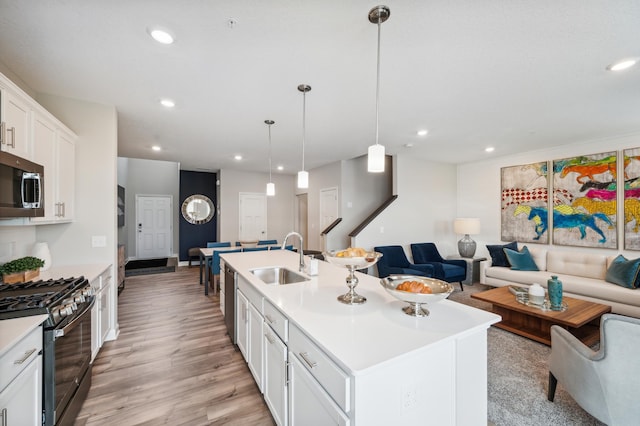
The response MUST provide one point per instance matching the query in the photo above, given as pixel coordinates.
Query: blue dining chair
(212, 244)
(267, 242)
(289, 247)
(214, 269)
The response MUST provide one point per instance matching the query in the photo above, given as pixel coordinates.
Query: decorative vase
(554, 287)
(41, 251)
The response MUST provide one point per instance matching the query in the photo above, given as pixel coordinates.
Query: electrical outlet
(409, 397)
(98, 241)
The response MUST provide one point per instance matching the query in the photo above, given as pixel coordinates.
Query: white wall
(280, 208)
(479, 192)
(148, 177)
(424, 210)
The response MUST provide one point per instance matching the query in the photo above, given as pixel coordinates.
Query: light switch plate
(98, 241)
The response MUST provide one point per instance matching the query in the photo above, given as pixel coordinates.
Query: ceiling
(514, 75)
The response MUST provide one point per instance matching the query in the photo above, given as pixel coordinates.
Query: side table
(473, 268)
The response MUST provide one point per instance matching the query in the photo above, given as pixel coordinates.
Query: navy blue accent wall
(196, 235)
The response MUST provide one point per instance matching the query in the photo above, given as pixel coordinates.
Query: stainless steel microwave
(21, 187)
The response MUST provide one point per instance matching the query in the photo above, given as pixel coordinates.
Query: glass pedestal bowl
(439, 290)
(352, 264)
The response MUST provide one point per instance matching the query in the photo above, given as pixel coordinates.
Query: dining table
(206, 253)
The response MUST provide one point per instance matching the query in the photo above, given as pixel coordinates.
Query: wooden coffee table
(581, 318)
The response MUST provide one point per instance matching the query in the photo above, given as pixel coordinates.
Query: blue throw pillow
(521, 260)
(498, 257)
(624, 272)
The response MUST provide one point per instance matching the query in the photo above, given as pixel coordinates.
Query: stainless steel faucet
(284, 244)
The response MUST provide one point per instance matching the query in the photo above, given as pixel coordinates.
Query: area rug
(150, 266)
(517, 375)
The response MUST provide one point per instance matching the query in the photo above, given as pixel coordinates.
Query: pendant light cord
(378, 83)
(270, 180)
(304, 122)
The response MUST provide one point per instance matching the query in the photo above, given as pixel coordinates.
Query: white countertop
(14, 330)
(358, 337)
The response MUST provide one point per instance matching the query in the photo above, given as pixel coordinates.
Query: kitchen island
(358, 364)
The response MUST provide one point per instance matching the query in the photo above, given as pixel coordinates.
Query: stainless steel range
(67, 340)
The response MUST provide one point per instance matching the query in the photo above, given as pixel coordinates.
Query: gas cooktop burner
(37, 297)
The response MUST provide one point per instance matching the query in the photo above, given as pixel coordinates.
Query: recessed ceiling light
(161, 35)
(622, 64)
(408, 145)
(238, 157)
(489, 149)
(280, 168)
(168, 103)
(423, 132)
(156, 148)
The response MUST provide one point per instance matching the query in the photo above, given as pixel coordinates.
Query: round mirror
(197, 209)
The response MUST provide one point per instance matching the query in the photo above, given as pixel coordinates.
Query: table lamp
(466, 226)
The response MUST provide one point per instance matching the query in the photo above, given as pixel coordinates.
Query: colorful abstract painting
(586, 214)
(525, 189)
(631, 199)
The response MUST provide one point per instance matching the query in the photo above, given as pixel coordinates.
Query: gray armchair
(606, 383)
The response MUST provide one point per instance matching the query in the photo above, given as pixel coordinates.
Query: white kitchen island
(365, 364)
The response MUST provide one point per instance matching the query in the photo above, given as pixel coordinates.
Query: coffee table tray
(546, 305)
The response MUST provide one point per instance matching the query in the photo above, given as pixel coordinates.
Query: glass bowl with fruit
(353, 259)
(416, 291)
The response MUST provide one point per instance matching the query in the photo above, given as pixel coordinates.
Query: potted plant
(21, 270)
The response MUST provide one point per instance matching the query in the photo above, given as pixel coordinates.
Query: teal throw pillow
(521, 260)
(624, 272)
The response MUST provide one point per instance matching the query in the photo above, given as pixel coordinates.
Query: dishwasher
(230, 301)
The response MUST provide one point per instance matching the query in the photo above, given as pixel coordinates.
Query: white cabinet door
(66, 162)
(275, 371)
(255, 344)
(105, 308)
(242, 322)
(54, 148)
(44, 153)
(21, 400)
(16, 113)
(309, 404)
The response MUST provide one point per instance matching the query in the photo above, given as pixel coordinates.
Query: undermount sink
(278, 275)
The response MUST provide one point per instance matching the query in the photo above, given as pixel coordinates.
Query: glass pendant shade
(303, 179)
(375, 159)
(271, 189)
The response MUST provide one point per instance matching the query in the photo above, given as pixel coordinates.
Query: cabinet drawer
(250, 293)
(325, 371)
(19, 356)
(276, 319)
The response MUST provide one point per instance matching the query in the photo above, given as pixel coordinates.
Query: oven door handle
(67, 328)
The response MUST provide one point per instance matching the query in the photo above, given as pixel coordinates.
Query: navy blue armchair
(394, 261)
(449, 270)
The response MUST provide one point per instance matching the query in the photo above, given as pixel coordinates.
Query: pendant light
(376, 157)
(271, 187)
(303, 176)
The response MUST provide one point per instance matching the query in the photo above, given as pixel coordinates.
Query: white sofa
(582, 275)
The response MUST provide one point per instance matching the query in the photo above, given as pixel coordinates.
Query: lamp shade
(271, 189)
(303, 179)
(375, 161)
(466, 225)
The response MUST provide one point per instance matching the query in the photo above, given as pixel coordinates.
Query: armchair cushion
(394, 261)
(624, 272)
(449, 270)
(498, 258)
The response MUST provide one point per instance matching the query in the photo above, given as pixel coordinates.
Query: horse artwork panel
(631, 198)
(587, 218)
(524, 186)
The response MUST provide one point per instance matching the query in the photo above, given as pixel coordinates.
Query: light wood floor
(173, 362)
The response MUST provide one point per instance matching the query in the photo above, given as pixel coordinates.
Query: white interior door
(253, 217)
(153, 223)
(328, 207)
